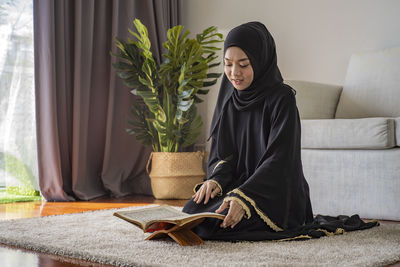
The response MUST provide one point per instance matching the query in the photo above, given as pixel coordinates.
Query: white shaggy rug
(101, 237)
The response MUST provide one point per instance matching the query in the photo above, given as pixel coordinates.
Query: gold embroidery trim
(219, 163)
(339, 231)
(295, 238)
(241, 203)
(215, 182)
(222, 162)
(265, 218)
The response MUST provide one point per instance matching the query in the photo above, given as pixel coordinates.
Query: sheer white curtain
(18, 156)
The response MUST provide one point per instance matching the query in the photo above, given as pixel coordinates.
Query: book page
(151, 214)
(146, 216)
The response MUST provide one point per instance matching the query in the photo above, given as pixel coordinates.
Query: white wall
(314, 38)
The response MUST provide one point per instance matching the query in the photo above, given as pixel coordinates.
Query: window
(18, 159)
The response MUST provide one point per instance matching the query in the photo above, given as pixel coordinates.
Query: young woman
(255, 174)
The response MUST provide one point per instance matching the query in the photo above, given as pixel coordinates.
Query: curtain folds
(82, 107)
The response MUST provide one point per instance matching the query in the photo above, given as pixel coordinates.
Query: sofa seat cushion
(367, 133)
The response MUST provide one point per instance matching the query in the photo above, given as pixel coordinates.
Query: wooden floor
(15, 257)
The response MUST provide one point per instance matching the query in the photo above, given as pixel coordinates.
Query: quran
(163, 221)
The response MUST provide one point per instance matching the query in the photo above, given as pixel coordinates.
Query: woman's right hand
(207, 190)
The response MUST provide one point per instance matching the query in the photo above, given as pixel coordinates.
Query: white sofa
(351, 138)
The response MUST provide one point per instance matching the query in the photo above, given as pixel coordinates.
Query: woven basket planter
(174, 174)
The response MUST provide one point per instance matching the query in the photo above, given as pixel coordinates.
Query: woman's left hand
(235, 213)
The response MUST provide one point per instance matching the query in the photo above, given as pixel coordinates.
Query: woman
(255, 174)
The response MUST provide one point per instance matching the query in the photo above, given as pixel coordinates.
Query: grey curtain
(82, 107)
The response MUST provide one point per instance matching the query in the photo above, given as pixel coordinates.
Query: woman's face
(238, 68)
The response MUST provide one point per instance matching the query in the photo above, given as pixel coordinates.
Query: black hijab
(258, 44)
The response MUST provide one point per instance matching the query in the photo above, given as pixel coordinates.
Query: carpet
(99, 236)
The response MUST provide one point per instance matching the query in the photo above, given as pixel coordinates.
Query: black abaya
(255, 156)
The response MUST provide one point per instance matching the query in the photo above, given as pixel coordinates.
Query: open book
(164, 221)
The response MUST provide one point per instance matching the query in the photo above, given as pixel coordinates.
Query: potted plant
(166, 117)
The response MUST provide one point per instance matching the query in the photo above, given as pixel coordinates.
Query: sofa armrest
(367, 133)
(316, 100)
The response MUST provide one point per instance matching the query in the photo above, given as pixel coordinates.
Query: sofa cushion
(397, 130)
(367, 133)
(372, 85)
(316, 100)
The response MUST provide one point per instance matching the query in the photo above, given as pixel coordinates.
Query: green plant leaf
(167, 117)
(214, 75)
(192, 128)
(210, 83)
(186, 94)
(197, 99)
(203, 92)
